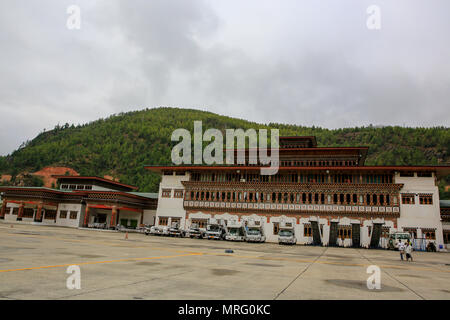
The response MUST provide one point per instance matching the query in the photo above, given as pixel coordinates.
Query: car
(216, 229)
(195, 231)
(286, 235)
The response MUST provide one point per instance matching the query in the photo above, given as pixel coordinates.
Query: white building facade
(327, 195)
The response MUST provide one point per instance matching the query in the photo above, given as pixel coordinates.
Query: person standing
(401, 248)
(408, 251)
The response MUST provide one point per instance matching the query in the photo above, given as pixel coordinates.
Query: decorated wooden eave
(31, 195)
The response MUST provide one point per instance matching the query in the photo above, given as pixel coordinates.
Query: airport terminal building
(326, 193)
(91, 202)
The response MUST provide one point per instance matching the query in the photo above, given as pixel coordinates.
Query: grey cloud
(299, 62)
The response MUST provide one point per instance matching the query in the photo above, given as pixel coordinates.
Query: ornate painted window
(307, 230)
(163, 221)
(200, 222)
(425, 198)
(429, 234)
(411, 231)
(345, 232)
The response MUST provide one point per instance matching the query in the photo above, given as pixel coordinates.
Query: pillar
(113, 223)
(3, 212)
(142, 217)
(86, 217)
(20, 213)
(38, 216)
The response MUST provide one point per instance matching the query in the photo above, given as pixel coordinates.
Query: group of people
(405, 248)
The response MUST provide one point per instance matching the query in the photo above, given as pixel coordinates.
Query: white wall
(171, 207)
(67, 222)
(99, 188)
(420, 215)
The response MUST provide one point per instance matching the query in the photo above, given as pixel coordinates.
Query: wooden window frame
(166, 193)
(26, 213)
(200, 222)
(178, 193)
(163, 221)
(50, 215)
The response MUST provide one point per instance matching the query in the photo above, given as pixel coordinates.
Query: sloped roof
(444, 203)
(149, 195)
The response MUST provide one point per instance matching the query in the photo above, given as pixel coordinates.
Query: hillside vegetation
(122, 144)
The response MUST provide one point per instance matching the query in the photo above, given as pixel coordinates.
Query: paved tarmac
(34, 261)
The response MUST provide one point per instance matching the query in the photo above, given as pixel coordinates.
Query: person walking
(408, 251)
(401, 248)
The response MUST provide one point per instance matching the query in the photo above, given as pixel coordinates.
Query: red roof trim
(74, 192)
(298, 137)
(110, 192)
(4, 188)
(308, 149)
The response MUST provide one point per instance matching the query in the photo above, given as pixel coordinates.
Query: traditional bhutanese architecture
(79, 202)
(327, 194)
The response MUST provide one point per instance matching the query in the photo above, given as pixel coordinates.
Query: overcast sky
(301, 62)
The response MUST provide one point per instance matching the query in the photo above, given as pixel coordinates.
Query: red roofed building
(80, 201)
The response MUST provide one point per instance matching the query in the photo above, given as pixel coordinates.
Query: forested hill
(122, 144)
